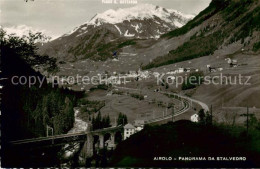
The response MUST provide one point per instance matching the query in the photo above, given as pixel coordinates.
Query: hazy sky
(61, 16)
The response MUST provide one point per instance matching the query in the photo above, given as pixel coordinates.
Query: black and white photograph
(130, 84)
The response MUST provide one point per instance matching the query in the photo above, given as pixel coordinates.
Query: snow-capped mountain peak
(140, 12)
(140, 21)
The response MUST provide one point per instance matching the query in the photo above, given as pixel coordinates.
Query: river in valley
(79, 126)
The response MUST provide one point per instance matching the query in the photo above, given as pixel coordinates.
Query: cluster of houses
(182, 70)
(139, 75)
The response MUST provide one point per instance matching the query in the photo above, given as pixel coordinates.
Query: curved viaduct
(89, 138)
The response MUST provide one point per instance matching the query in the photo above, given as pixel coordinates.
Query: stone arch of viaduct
(88, 148)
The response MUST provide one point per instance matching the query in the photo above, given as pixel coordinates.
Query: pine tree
(108, 121)
(122, 119)
(99, 120)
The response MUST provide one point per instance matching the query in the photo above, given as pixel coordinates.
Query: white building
(171, 78)
(171, 72)
(129, 129)
(139, 125)
(220, 69)
(231, 61)
(180, 70)
(194, 118)
(187, 69)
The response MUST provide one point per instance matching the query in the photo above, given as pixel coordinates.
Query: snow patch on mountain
(128, 34)
(84, 28)
(118, 30)
(71, 32)
(187, 16)
(137, 28)
(178, 24)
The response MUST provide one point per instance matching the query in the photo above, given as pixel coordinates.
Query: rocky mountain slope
(110, 31)
(223, 23)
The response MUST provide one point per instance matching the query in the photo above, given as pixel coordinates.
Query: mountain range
(105, 32)
(140, 35)
(24, 30)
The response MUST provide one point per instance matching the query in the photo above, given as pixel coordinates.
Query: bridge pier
(90, 140)
(87, 150)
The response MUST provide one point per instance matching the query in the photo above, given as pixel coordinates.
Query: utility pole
(48, 127)
(172, 113)
(211, 116)
(167, 108)
(247, 120)
(47, 131)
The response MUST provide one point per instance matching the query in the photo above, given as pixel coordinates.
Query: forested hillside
(27, 110)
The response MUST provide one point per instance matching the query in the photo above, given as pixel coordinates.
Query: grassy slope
(187, 139)
(93, 46)
(238, 22)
